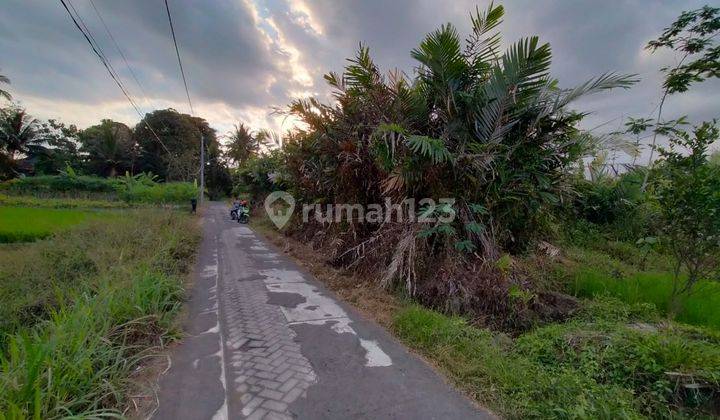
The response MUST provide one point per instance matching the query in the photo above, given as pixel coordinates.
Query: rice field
(27, 224)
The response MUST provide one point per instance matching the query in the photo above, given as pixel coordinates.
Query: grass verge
(80, 311)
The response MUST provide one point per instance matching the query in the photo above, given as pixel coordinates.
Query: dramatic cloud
(245, 57)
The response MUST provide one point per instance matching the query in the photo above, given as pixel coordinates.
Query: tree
(61, 147)
(19, 140)
(3, 93)
(109, 147)
(242, 144)
(694, 36)
(174, 155)
(687, 190)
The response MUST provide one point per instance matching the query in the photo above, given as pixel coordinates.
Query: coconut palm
(19, 139)
(243, 144)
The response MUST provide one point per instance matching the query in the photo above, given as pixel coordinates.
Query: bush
(170, 192)
(61, 185)
(140, 188)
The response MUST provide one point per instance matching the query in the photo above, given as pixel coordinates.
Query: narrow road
(265, 340)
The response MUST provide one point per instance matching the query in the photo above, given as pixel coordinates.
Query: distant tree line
(165, 143)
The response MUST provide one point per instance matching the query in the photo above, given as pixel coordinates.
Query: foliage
(260, 174)
(689, 200)
(487, 128)
(159, 193)
(3, 93)
(140, 188)
(18, 138)
(23, 224)
(597, 366)
(81, 310)
(45, 185)
(174, 155)
(109, 148)
(60, 148)
(243, 144)
(693, 33)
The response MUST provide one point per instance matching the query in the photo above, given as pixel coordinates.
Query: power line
(192, 111)
(96, 49)
(119, 50)
(177, 52)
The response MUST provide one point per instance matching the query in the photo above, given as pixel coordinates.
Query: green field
(80, 311)
(25, 224)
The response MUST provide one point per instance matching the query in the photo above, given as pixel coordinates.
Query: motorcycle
(241, 214)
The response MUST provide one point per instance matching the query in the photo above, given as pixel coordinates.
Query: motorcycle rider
(235, 207)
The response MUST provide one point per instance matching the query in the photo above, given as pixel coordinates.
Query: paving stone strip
(265, 340)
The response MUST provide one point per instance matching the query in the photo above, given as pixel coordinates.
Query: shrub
(687, 193)
(52, 185)
(160, 193)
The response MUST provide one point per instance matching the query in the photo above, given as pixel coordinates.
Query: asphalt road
(266, 340)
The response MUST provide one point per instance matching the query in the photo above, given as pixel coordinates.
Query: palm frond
(433, 149)
(603, 82)
(480, 48)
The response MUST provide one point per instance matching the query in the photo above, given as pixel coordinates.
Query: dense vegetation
(561, 287)
(140, 188)
(541, 223)
(80, 311)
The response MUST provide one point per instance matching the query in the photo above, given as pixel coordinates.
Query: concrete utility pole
(202, 169)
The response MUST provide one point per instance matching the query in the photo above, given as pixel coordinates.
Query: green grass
(61, 203)
(80, 310)
(101, 189)
(24, 224)
(596, 366)
(597, 273)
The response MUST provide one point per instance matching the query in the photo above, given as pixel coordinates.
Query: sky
(245, 58)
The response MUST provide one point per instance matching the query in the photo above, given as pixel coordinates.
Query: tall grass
(596, 366)
(79, 311)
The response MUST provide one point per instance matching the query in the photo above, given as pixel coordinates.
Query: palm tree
(18, 139)
(3, 93)
(488, 127)
(110, 148)
(243, 144)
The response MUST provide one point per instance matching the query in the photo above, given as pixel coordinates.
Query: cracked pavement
(265, 340)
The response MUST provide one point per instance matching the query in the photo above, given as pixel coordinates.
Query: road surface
(265, 340)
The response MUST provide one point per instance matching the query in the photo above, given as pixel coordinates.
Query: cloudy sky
(244, 57)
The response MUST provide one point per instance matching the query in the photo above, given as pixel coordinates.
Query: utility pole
(202, 169)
